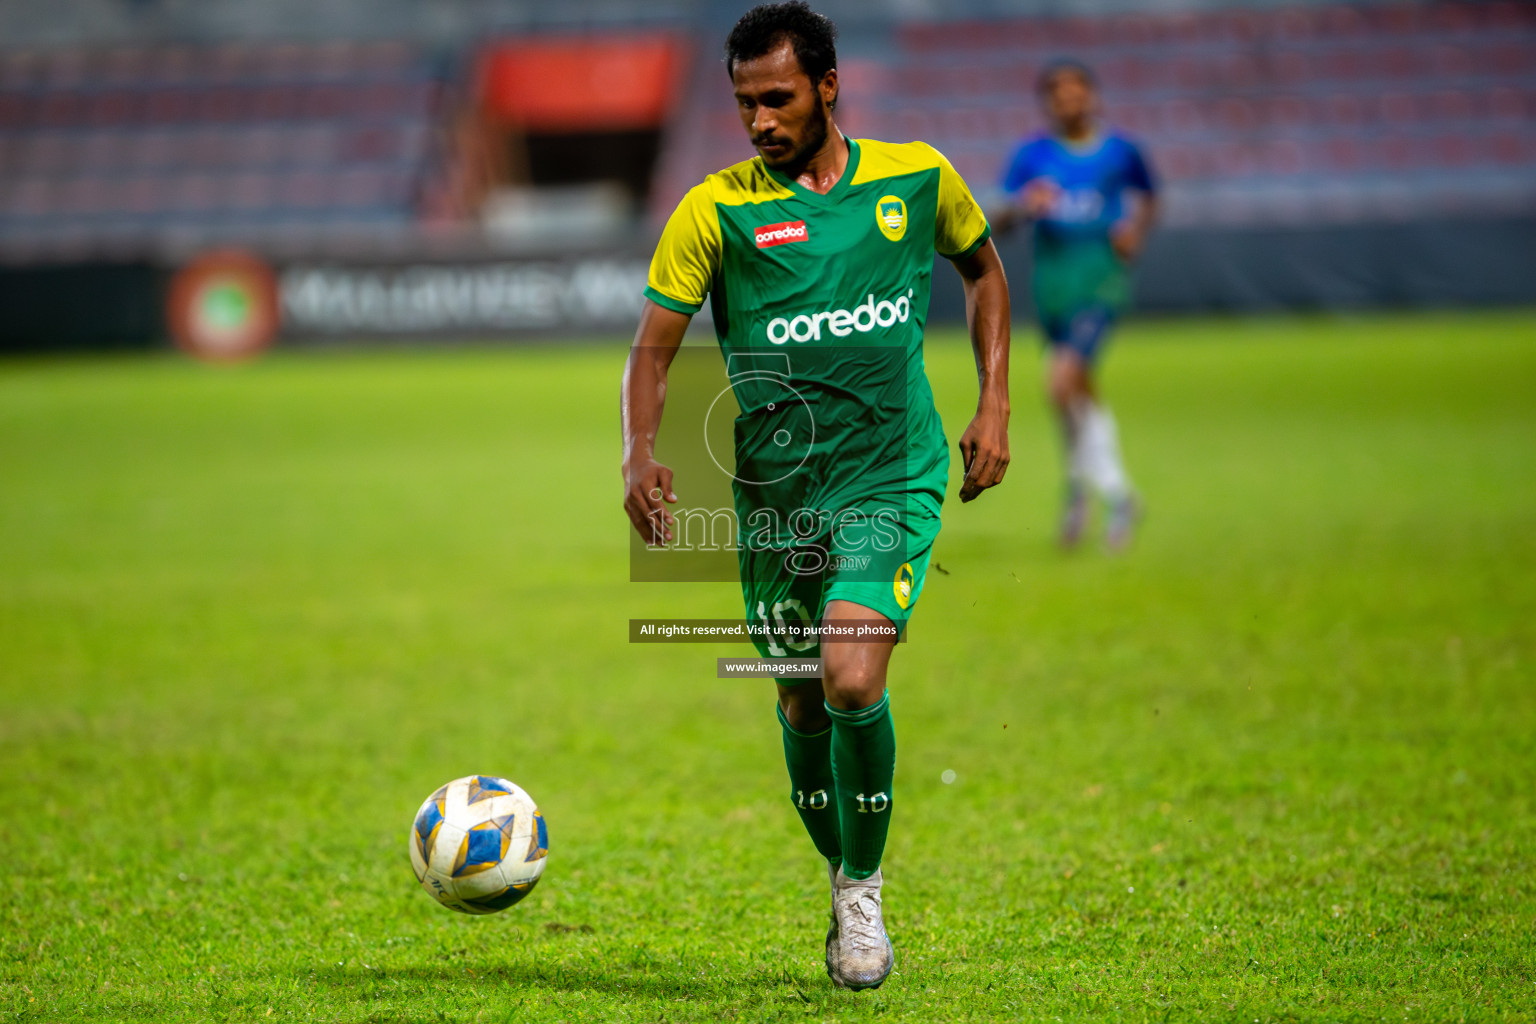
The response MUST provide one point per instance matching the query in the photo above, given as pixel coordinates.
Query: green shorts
(874, 554)
(1070, 277)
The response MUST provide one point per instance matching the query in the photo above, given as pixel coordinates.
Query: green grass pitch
(1275, 764)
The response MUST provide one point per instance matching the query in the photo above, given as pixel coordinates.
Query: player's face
(785, 113)
(1068, 97)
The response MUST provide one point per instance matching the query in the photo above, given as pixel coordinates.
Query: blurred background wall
(218, 170)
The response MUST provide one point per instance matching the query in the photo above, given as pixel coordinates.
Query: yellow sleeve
(960, 227)
(688, 255)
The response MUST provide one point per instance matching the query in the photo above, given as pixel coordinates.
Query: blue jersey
(1092, 183)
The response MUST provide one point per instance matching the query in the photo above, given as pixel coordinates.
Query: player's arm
(642, 397)
(1028, 195)
(962, 234)
(1130, 234)
(984, 445)
(1032, 202)
(681, 275)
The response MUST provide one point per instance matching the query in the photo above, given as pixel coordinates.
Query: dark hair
(765, 26)
(1060, 64)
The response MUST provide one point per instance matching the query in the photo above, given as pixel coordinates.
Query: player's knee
(851, 686)
(1068, 383)
(803, 708)
(1062, 386)
(1061, 391)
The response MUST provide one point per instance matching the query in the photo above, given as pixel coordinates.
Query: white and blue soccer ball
(478, 844)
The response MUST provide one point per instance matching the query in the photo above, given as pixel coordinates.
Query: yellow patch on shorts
(905, 580)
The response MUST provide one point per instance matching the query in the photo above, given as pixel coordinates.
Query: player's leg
(881, 560)
(773, 595)
(863, 766)
(776, 596)
(1067, 382)
(878, 576)
(807, 730)
(863, 738)
(1093, 435)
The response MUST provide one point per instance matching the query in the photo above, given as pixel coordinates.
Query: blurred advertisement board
(227, 305)
(468, 299)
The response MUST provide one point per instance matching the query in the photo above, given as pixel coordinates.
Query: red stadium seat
(264, 102)
(1289, 111)
(1394, 152)
(1397, 108)
(1508, 148)
(304, 190)
(1342, 22)
(1451, 105)
(1343, 153)
(1454, 150)
(1345, 109)
(40, 196)
(1452, 60)
(1291, 67)
(1238, 116)
(1282, 157)
(169, 106)
(1506, 103)
(142, 194)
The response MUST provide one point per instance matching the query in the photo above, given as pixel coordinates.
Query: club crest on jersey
(902, 586)
(781, 234)
(891, 215)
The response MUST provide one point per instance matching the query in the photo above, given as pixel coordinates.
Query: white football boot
(832, 948)
(1125, 516)
(1074, 518)
(859, 956)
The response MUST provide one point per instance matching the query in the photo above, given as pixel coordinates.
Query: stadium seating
(1251, 115)
(130, 145)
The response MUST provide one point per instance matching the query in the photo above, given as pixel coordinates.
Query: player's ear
(828, 88)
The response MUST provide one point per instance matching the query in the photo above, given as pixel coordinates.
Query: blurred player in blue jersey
(1091, 197)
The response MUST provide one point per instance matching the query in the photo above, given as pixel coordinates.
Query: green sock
(809, 758)
(863, 763)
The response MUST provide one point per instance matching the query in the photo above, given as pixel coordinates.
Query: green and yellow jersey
(819, 304)
(796, 280)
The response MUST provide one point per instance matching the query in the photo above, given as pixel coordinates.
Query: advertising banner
(224, 305)
(466, 300)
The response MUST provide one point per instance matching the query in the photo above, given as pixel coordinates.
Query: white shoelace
(862, 926)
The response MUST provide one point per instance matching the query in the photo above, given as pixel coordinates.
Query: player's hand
(1127, 240)
(647, 492)
(1039, 198)
(984, 449)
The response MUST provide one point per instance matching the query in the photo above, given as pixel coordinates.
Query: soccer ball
(478, 844)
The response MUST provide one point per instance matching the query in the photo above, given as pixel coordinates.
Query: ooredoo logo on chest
(781, 234)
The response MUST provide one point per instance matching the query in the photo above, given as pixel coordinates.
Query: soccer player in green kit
(1091, 197)
(816, 257)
